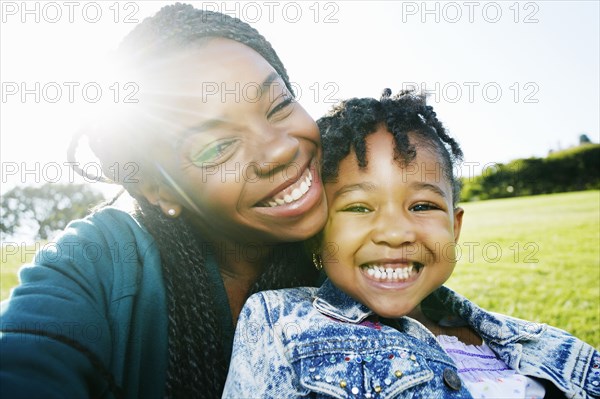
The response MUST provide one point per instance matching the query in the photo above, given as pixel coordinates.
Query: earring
(317, 261)
(171, 212)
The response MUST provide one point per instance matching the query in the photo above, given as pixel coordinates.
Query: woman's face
(241, 157)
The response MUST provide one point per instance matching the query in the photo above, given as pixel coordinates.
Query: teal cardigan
(91, 308)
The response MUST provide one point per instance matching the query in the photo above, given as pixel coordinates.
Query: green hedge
(574, 169)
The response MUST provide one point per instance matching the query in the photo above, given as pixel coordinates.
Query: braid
(196, 365)
(347, 125)
(195, 349)
(288, 267)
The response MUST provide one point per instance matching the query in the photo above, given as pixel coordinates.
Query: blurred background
(516, 82)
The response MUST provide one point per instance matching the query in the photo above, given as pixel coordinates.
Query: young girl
(144, 305)
(382, 325)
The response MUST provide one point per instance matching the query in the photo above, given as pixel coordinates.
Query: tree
(50, 206)
(584, 139)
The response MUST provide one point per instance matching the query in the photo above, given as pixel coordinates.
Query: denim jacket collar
(493, 329)
(335, 303)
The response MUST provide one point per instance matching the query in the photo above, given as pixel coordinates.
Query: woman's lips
(296, 197)
(293, 192)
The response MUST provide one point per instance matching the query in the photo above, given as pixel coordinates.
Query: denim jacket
(322, 343)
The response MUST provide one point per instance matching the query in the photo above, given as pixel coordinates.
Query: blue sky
(508, 79)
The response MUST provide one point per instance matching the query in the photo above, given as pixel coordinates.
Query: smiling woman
(226, 153)
(226, 185)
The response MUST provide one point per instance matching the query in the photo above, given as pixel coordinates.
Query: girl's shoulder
(282, 303)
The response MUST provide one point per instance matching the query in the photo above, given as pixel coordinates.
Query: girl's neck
(464, 333)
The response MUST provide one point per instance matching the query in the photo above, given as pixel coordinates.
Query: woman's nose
(393, 229)
(276, 149)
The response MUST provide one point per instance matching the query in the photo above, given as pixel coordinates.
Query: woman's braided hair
(347, 125)
(196, 365)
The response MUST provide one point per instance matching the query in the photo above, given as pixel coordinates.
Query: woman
(226, 184)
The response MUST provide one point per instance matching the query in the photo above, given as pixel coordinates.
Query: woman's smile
(299, 194)
(248, 169)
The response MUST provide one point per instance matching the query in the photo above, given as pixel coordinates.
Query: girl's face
(391, 231)
(241, 156)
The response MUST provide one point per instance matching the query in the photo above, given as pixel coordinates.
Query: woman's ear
(157, 193)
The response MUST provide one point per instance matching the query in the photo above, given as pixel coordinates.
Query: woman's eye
(214, 153)
(282, 109)
(357, 209)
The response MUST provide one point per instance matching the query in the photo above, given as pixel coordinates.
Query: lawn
(12, 256)
(536, 258)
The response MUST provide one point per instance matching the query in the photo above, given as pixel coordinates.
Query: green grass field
(12, 256)
(536, 258)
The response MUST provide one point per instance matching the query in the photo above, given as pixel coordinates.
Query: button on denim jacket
(322, 343)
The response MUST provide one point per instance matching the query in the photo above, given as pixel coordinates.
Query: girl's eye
(282, 109)
(216, 152)
(424, 207)
(357, 209)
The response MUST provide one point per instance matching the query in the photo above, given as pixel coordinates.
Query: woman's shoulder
(101, 254)
(109, 222)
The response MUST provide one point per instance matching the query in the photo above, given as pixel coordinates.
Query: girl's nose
(393, 229)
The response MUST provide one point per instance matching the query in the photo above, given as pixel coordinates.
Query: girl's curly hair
(347, 125)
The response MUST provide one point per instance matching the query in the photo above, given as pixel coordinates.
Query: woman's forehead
(212, 60)
(207, 83)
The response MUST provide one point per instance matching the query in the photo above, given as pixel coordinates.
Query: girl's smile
(392, 226)
(392, 270)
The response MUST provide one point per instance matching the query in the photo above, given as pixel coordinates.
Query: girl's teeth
(287, 199)
(389, 274)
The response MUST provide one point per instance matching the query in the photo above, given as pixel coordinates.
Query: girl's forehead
(381, 144)
(383, 169)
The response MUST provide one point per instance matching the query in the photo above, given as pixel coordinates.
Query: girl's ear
(314, 244)
(458, 217)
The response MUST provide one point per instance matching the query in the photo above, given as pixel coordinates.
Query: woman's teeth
(393, 274)
(293, 192)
